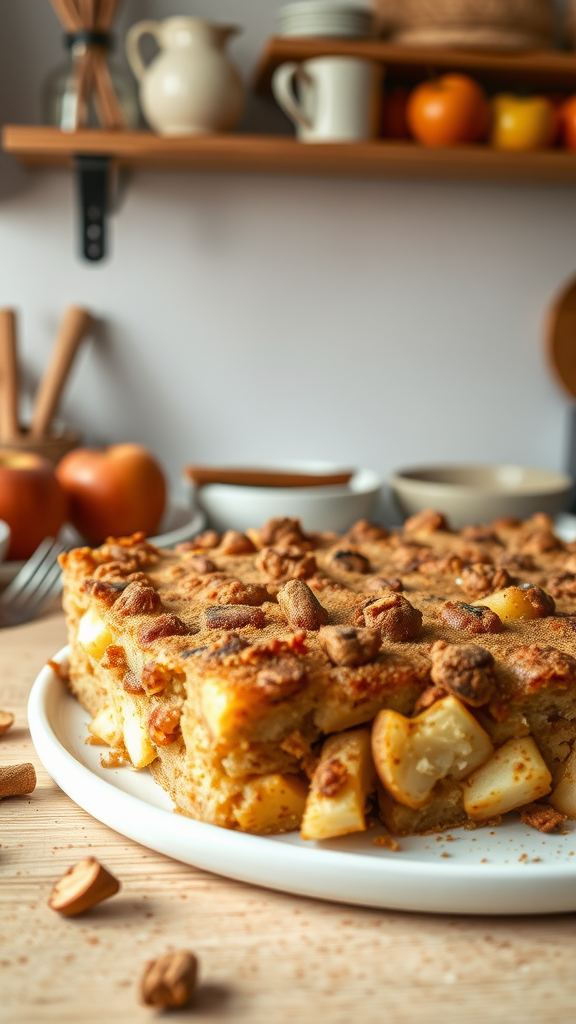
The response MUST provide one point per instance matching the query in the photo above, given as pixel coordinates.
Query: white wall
(254, 318)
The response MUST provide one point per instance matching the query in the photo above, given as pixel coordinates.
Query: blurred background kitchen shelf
(40, 146)
(278, 154)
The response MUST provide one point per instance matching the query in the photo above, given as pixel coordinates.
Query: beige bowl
(471, 495)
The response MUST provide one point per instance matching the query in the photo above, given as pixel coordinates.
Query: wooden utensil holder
(53, 447)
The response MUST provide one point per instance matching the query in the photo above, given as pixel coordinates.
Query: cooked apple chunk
(94, 635)
(271, 804)
(525, 602)
(515, 775)
(412, 754)
(136, 737)
(105, 728)
(343, 780)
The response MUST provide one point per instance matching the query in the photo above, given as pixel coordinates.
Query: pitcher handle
(283, 88)
(142, 28)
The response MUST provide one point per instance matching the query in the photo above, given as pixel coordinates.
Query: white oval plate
(507, 870)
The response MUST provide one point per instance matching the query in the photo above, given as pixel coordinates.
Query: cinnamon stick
(68, 14)
(263, 478)
(9, 426)
(74, 327)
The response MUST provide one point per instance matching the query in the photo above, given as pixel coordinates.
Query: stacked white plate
(324, 18)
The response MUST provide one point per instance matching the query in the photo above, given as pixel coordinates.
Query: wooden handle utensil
(263, 478)
(73, 328)
(9, 426)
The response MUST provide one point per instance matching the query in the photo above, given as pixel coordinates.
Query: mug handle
(142, 28)
(283, 88)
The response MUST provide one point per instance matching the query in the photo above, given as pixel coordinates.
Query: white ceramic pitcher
(191, 86)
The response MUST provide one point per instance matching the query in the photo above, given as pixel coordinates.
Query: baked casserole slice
(278, 680)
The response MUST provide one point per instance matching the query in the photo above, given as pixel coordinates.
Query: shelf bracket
(93, 176)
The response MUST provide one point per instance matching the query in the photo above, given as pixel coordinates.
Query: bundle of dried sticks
(90, 22)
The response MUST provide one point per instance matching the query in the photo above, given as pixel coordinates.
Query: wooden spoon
(262, 478)
(561, 339)
(9, 426)
(73, 328)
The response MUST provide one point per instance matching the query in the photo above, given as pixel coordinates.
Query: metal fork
(34, 587)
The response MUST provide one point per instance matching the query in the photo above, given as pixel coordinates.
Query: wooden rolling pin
(9, 426)
(73, 328)
(263, 478)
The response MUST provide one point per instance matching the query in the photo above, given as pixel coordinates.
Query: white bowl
(4, 539)
(477, 494)
(231, 507)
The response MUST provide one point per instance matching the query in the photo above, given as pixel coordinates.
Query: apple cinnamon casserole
(278, 680)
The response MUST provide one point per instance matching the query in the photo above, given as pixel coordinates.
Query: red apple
(113, 492)
(32, 501)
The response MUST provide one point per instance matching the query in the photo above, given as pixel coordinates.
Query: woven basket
(499, 23)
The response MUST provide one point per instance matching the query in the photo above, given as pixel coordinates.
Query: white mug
(337, 100)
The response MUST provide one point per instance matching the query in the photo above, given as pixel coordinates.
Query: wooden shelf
(48, 147)
(549, 70)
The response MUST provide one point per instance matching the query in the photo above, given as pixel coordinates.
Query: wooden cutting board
(561, 339)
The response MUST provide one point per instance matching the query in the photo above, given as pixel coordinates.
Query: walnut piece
(473, 619)
(350, 561)
(480, 579)
(428, 521)
(330, 777)
(6, 721)
(162, 627)
(82, 887)
(364, 532)
(170, 981)
(391, 614)
(465, 670)
(283, 678)
(284, 532)
(164, 725)
(234, 616)
(204, 541)
(234, 543)
(138, 600)
(541, 541)
(562, 584)
(200, 564)
(282, 564)
(301, 606)
(348, 645)
(378, 583)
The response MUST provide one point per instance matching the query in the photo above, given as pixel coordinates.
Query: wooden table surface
(265, 957)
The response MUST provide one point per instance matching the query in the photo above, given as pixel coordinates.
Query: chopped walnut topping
(364, 532)
(428, 521)
(540, 542)
(280, 565)
(204, 541)
(282, 679)
(161, 627)
(164, 725)
(234, 543)
(542, 817)
(562, 584)
(103, 591)
(465, 670)
(155, 677)
(300, 748)
(429, 697)
(392, 615)
(138, 600)
(301, 606)
(232, 644)
(330, 777)
(505, 523)
(350, 561)
(472, 618)
(378, 583)
(515, 562)
(407, 557)
(480, 579)
(234, 616)
(201, 564)
(480, 534)
(348, 645)
(448, 565)
(282, 532)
